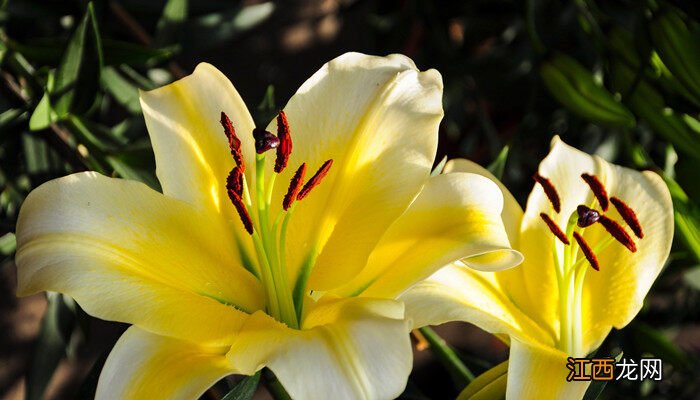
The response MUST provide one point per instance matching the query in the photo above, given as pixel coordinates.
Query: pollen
(618, 232)
(549, 191)
(234, 181)
(628, 215)
(315, 180)
(242, 211)
(586, 249)
(554, 228)
(294, 187)
(234, 143)
(598, 189)
(285, 148)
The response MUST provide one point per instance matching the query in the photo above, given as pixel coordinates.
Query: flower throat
(571, 271)
(269, 237)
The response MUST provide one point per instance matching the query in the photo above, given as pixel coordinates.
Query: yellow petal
(539, 372)
(143, 365)
(455, 217)
(127, 253)
(458, 293)
(347, 349)
(191, 149)
(512, 213)
(377, 118)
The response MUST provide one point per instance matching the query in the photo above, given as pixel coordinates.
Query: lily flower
(250, 259)
(594, 235)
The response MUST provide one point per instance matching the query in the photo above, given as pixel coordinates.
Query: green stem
(275, 386)
(460, 373)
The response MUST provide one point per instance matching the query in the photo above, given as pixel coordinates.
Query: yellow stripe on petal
(456, 217)
(143, 365)
(127, 253)
(347, 349)
(457, 293)
(377, 118)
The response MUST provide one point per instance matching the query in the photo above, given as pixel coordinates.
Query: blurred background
(620, 78)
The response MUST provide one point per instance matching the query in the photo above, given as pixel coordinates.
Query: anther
(264, 140)
(618, 232)
(233, 142)
(554, 228)
(315, 180)
(234, 181)
(285, 147)
(549, 190)
(242, 211)
(598, 189)
(628, 215)
(294, 187)
(590, 256)
(586, 216)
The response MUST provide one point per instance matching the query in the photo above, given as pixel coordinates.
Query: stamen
(315, 180)
(235, 181)
(549, 190)
(598, 190)
(242, 211)
(233, 142)
(554, 228)
(628, 215)
(294, 187)
(586, 216)
(264, 140)
(618, 232)
(285, 147)
(590, 256)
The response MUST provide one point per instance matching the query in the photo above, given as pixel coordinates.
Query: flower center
(571, 270)
(269, 236)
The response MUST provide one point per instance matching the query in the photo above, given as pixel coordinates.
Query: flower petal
(456, 216)
(348, 349)
(191, 150)
(127, 253)
(458, 293)
(377, 118)
(539, 372)
(512, 213)
(143, 365)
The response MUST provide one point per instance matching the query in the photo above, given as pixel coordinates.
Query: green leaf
(596, 387)
(655, 342)
(50, 346)
(174, 14)
(499, 164)
(77, 77)
(121, 89)
(687, 217)
(245, 388)
(8, 243)
(491, 385)
(43, 115)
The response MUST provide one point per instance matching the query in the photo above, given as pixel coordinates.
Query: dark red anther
(235, 181)
(242, 211)
(285, 147)
(315, 180)
(586, 216)
(554, 228)
(233, 142)
(628, 215)
(294, 187)
(590, 256)
(598, 189)
(618, 232)
(264, 140)
(549, 190)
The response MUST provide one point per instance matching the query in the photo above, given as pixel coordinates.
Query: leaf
(8, 243)
(655, 342)
(77, 77)
(121, 89)
(245, 388)
(687, 217)
(174, 14)
(489, 385)
(43, 115)
(499, 164)
(596, 387)
(50, 346)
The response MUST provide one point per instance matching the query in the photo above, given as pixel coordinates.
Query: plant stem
(275, 386)
(460, 373)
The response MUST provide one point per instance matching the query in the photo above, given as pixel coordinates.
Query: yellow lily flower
(242, 262)
(594, 235)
